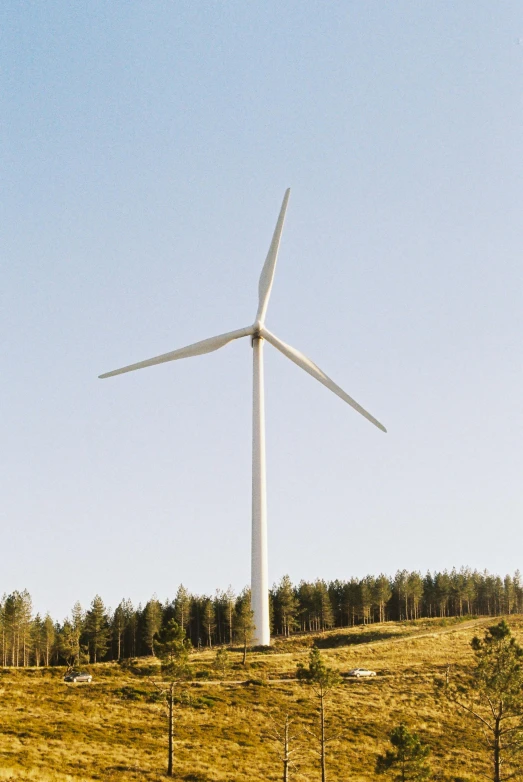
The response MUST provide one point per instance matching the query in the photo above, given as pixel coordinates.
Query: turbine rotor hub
(256, 335)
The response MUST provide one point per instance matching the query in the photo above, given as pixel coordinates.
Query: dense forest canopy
(99, 633)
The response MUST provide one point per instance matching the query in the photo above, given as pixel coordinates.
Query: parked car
(357, 672)
(77, 676)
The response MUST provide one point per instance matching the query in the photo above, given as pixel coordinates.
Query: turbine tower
(259, 334)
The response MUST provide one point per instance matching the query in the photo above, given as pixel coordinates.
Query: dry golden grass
(114, 729)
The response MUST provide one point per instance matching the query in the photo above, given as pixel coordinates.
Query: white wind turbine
(258, 333)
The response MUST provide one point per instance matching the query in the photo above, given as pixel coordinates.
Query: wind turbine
(258, 334)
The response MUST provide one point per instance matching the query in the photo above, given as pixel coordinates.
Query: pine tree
(77, 625)
(442, 586)
(401, 594)
(221, 661)
(518, 592)
(337, 598)
(307, 608)
(67, 645)
(119, 626)
(350, 600)
(469, 589)
(182, 604)
(36, 636)
(324, 613)
(244, 621)
(509, 596)
(415, 593)
(131, 632)
(208, 619)
(429, 597)
(367, 589)
(97, 629)
(408, 758)
(286, 605)
(13, 620)
(25, 610)
(17, 609)
(220, 617)
(48, 634)
(3, 631)
(322, 680)
(230, 602)
(152, 622)
(493, 697)
(173, 649)
(382, 594)
(458, 584)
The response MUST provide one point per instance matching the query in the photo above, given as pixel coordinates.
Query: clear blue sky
(145, 149)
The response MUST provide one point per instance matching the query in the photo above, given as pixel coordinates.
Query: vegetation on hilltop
(99, 634)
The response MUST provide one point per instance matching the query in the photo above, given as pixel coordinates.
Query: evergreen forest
(99, 634)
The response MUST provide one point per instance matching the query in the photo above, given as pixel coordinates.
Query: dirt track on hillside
(404, 638)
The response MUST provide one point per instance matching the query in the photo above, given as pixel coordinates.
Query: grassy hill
(115, 728)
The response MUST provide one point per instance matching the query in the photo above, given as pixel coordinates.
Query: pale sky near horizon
(144, 152)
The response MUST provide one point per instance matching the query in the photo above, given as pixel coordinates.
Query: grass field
(115, 728)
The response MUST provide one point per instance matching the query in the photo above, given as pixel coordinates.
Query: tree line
(99, 634)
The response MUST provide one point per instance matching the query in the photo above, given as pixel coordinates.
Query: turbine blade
(306, 364)
(267, 275)
(197, 349)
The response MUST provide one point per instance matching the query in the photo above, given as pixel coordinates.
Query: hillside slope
(115, 728)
